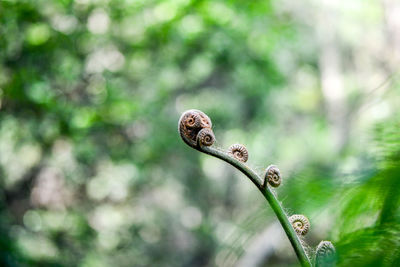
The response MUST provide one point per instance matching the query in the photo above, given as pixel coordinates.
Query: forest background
(94, 173)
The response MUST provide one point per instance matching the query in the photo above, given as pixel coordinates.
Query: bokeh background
(92, 169)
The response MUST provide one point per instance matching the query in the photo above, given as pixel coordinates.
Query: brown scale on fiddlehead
(272, 176)
(239, 152)
(300, 224)
(191, 123)
(325, 254)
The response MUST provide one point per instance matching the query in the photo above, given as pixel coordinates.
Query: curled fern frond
(300, 223)
(325, 254)
(195, 129)
(192, 120)
(191, 123)
(205, 137)
(239, 152)
(272, 176)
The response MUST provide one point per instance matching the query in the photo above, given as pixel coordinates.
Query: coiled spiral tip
(325, 254)
(300, 223)
(191, 124)
(205, 137)
(239, 152)
(192, 120)
(272, 176)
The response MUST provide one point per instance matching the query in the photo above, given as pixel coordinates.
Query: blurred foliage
(369, 225)
(93, 172)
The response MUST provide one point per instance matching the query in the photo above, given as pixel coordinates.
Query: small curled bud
(272, 176)
(325, 254)
(300, 224)
(239, 152)
(192, 120)
(205, 137)
(191, 123)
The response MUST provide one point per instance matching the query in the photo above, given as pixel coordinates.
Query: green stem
(267, 193)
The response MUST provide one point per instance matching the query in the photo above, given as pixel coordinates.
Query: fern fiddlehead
(325, 254)
(300, 224)
(191, 123)
(205, 137)
(195, 128)
(239, 152)
(272, 176)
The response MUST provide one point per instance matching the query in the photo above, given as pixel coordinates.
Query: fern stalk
(195, 129)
